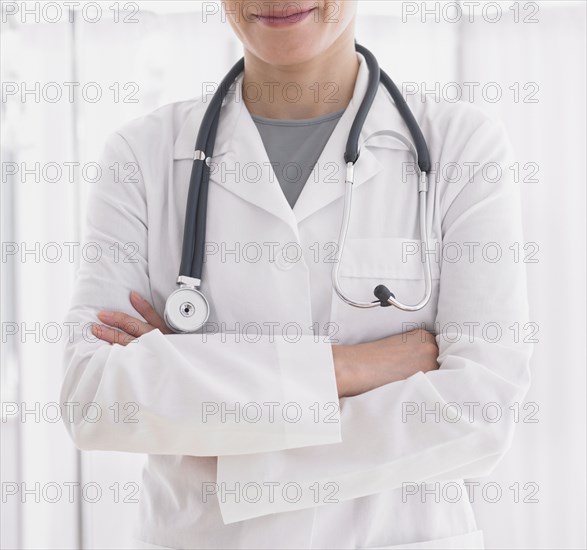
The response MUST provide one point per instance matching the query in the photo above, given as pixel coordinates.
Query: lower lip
(285, 21)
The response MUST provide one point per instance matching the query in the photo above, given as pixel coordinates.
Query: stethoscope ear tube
(385, 297)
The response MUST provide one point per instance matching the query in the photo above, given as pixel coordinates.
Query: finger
(111, 335)
(125, 322)
(148, 312)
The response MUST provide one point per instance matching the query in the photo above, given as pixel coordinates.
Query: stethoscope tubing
(194, 235)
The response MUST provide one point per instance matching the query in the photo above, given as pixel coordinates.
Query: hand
(130, 327)
(363, 367)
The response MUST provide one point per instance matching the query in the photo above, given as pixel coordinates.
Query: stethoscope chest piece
(186, 310)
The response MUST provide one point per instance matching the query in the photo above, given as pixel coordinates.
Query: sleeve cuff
(311, 409)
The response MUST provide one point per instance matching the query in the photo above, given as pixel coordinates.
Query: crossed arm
(358, 368)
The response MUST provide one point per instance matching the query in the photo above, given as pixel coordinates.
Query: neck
(320, 86)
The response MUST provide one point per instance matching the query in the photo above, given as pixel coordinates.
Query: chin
(289, 53)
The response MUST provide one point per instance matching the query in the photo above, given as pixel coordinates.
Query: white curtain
(535, 55)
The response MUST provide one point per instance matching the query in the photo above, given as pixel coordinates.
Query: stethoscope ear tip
(382, 293)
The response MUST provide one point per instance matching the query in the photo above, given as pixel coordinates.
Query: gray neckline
(302, 122)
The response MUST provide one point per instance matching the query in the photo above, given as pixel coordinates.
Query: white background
(168, 54)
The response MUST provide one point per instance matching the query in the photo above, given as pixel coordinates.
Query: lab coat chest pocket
(395, 262)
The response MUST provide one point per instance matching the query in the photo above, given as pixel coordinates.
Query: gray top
(294, 147)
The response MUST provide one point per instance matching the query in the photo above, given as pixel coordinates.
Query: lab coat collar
(239, 145)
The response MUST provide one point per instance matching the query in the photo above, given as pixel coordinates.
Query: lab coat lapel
(240, 163)
(245, 170)
(327, 181)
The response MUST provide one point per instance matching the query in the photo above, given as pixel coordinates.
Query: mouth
(273, 20)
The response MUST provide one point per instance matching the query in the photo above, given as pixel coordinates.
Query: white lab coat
(337, 473)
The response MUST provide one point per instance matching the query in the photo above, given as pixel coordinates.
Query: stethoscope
(187, 309)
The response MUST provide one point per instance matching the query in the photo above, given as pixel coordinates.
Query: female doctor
(292, 419)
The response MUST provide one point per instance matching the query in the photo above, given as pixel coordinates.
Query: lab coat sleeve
(176, 394)
(448, 424)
